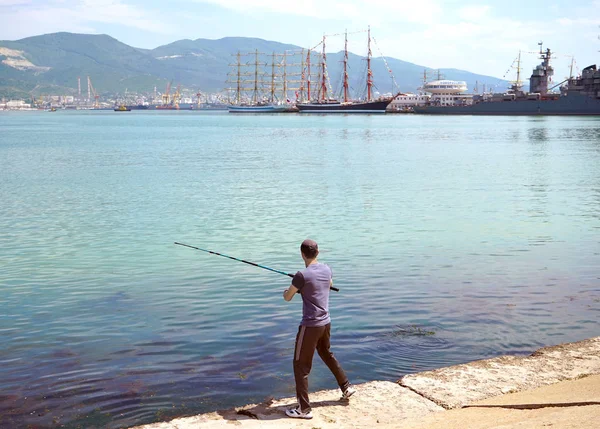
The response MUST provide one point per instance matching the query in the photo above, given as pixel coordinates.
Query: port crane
(171, 101)
(92, 90)
(176, 98)
(167, 95)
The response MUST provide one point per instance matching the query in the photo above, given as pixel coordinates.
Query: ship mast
(302, 78)
(285, 86)
(273, 78)
(571, 68)
(516, 87)
(323, 73)
(308, 75)
(255, 95)
(519, 69)
(239, 74)
(346, 66)
(369, 71)
(237, 77)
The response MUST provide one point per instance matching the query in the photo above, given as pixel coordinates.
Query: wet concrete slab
(459, 385)
(378, 403)
(419, 397)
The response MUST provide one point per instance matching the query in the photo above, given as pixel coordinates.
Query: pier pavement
(554, 387)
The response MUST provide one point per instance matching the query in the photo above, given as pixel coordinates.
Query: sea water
(451, 239)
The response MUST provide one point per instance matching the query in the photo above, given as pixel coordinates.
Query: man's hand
(289, 293)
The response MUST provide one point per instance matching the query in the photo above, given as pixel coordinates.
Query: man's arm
(289, 293)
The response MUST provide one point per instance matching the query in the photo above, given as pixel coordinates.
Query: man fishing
(313, 284)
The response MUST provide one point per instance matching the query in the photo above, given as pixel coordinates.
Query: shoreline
(549, 372)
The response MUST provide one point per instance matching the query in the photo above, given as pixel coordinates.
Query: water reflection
(368, 136)
(538, 180)
(538, 135)
(344, 134)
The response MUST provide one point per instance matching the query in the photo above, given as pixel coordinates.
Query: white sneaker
(348, 392)
(295, 413)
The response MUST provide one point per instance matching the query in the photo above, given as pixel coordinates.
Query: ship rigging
(326, 104)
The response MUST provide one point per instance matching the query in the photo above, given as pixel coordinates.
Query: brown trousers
(307, 340)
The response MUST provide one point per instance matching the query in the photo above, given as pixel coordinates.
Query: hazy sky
(479, 36)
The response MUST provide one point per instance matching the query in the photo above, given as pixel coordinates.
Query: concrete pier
(555, 386)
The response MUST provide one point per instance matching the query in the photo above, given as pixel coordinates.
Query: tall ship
(324, 104)
(259, 101)
(578, 96)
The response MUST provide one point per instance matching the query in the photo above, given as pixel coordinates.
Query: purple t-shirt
(313, 283)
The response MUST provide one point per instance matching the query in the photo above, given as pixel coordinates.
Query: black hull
(367, 107)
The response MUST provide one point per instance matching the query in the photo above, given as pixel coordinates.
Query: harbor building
(435, 93)
(406, 101)
(15, 105)
(448, 93)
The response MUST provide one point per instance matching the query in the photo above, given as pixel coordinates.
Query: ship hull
(210, 106)
(572, 104)
(257, 109)
(180, 106)
(368, 107)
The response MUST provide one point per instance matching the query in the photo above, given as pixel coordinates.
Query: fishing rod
(245, 262)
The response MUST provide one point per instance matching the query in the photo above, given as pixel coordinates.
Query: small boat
(122, 108)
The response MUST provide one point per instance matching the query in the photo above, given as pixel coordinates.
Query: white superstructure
(438, 92)
(448, 93)
(445, 87)
(404, 101)
(15, 105)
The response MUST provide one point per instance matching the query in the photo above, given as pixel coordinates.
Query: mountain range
(52, 63)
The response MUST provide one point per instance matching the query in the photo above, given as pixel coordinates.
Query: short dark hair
(309, 248)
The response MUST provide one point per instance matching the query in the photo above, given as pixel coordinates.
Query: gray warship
(578, 96)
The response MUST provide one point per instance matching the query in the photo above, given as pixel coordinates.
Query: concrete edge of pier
(553, 383)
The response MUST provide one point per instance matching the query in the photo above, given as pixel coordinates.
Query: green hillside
(51, 64)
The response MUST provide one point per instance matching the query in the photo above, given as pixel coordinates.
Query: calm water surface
(451, 239)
